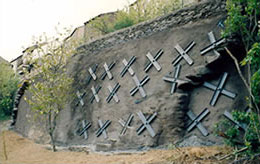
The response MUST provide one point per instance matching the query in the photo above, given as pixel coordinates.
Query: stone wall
(89, 33)
(203, 10)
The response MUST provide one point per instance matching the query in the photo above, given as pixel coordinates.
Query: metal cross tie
(95, 93)
(195, 121)
(183, 54)
(153, 61)
(221, 24)
(92, 72)
(230, 117)
(107, 71)
(146, 123)
(218, 90)
(80, 96)
(102, 128)
(126, 124)
(214, 44)
(85, 127)
(174, 80)
(128, 66)
(139, 85)
(113, 93)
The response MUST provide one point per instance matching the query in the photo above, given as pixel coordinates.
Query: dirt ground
(15, 149)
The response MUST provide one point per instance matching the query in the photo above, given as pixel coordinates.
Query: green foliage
(146, 10)
(8, 88)
(253, 57)
(103, 24)
(255, 85)
(237, 137)
(50, 85)
(139, 12)
(243, 18)
(123, 20)
(242, 22)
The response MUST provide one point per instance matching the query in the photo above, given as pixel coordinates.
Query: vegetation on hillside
(8, 88)
(50, 85)
(243, 23)
(140, 11)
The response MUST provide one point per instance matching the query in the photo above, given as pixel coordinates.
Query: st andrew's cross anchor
(139, 85)
(219, 89)
(126, 124)
(183, 54)
(107, 71)
(153, 61)
(174, 80)
(85, 126)
(195, 121)
(146, 123)
(128, 66)
(102, 128)
(214, 44)
(92, 72)
(80, 96)
(113, 93)
(230, 117)
(95, 93)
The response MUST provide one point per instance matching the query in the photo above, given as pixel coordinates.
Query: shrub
(242, 22)
(236, 137)
(102, 24)
(8, 87)
(123, 20)
(139, 12)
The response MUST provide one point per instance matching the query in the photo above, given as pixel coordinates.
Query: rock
(197, 73)
(103, 147)
(211, 59)
(193, 141)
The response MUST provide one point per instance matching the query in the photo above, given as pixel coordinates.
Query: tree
(103, 24)
(50, 85)
(8, 87)
(243, 22)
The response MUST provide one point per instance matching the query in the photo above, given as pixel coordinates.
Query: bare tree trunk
(51, 131)
(53, 142)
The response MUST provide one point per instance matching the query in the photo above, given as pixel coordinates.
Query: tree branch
(238, 69)
(244, 81)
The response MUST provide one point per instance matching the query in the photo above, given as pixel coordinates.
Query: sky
(20, 20)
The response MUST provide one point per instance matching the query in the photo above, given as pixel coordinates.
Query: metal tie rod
(183, 54)
(126, 124)
(128, 66)
(153, 61)
(107, 71)
(146, 123)
(102, 128)
(196, 121)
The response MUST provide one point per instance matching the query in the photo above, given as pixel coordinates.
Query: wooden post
(4, 147)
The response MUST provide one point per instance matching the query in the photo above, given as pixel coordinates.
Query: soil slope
(20, 150)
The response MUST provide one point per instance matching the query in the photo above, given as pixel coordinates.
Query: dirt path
(19, 150)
